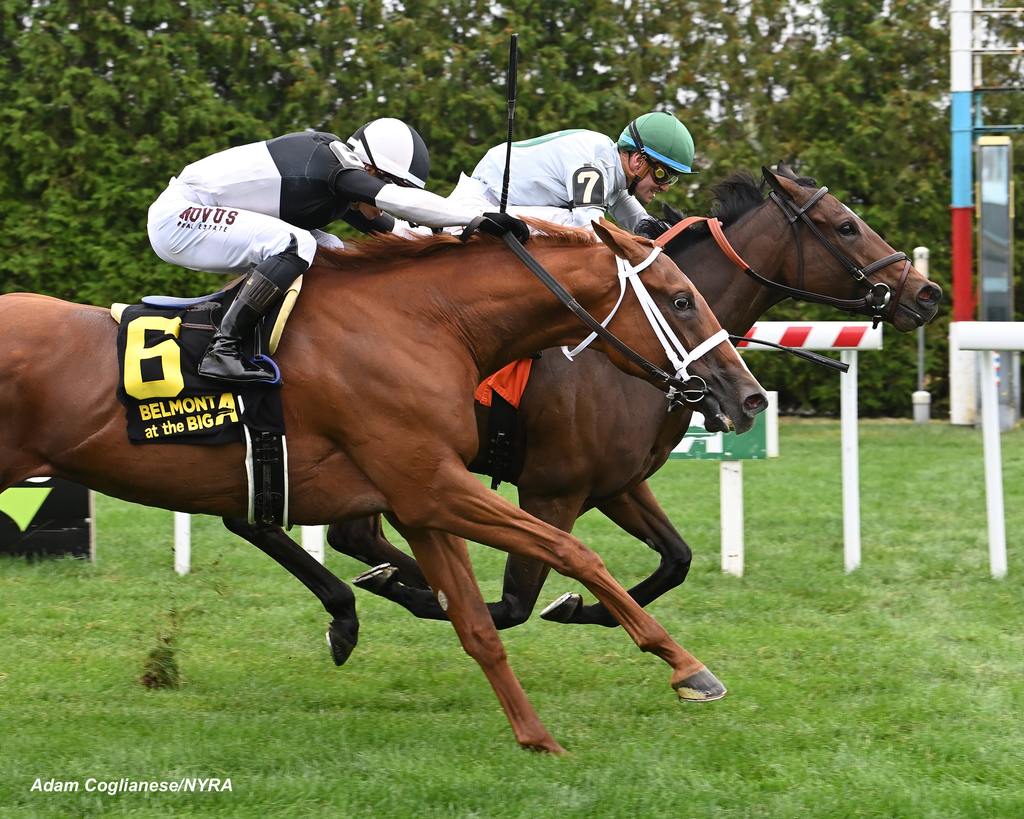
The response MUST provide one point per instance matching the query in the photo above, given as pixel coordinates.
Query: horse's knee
(579, 562)
(482, 643)
(510, 612)
(681, 559)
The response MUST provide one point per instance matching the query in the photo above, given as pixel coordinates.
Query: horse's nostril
(929, 295)
(753, 404)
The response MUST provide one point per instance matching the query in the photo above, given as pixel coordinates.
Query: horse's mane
(733, 197)
(385, 248)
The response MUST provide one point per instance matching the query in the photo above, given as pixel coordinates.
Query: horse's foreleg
(471, 511)
(363, 539)
(639, 513)
(444, 560)
(335, 596)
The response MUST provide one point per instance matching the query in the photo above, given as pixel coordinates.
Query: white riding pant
(228, 240)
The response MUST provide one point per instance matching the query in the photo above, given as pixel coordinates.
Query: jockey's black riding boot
(223, 359)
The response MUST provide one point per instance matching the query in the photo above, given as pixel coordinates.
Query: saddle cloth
(167, 401)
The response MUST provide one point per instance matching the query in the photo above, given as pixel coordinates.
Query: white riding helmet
(394, 149)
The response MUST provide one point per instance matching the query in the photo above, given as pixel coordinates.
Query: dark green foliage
(102, 101)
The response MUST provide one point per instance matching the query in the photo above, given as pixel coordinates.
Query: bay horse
(595, 436)
(382, 357)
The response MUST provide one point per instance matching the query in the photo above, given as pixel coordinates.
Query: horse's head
(676, 309)
(837, 256)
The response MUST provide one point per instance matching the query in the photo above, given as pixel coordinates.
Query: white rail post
(182, 542)
(851, 462)
(313, 542)
(986, 337)
(993, 464)
(731, 514)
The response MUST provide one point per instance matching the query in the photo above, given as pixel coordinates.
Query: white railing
(848, 337)
(985, 337)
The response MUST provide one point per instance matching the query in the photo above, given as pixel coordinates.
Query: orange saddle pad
(509, 382)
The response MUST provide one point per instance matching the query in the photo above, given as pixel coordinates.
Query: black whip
(510, 87)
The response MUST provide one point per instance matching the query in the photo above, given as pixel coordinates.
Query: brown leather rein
(880, 300)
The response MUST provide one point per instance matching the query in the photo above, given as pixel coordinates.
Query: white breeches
(218, 239)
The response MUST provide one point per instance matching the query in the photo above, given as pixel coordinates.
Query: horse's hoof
(563, 609)
(702, 686)
(375, 579)
(342, 642)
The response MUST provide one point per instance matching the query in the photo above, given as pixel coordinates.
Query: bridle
(879, 302)
(691, 388)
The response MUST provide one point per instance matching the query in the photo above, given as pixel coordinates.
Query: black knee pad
(285, 267)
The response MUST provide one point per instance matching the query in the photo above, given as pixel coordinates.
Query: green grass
(896, 690)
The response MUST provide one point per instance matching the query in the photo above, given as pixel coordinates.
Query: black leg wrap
(268, 478)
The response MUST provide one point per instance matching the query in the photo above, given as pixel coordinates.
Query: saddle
(271, 326)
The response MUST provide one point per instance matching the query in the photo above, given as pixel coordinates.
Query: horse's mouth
(717, 422)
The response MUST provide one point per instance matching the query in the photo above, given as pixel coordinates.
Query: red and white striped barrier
(816, 335)
(848, 337)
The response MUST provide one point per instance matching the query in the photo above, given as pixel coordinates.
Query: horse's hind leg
(363, 539)
(335, 596)
(444, 560)
(639, 513)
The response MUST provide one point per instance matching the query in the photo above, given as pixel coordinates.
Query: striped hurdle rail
(849, 338)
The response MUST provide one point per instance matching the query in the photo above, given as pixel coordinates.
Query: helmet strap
(634, 177)
(369, 153)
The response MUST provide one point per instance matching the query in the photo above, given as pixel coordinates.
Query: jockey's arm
(628, 212)
(382, 224)
(411, 204)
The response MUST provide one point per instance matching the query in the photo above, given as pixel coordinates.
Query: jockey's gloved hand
(498, 224)
(651, 228)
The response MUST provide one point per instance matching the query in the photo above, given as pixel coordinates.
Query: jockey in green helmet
(655, 144)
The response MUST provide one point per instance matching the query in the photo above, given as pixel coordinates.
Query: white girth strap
(670, 343)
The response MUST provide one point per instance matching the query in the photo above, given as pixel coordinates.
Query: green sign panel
(701, 445)
(46, 516)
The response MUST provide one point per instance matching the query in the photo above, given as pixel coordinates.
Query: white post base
(182, 542)
(313, 542)
(731, 506)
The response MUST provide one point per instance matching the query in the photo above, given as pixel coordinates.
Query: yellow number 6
(136, 351)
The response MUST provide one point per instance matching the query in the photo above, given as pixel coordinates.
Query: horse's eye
(682, 302)
(847, 229)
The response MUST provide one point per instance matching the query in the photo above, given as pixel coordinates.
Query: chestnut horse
(594, 436)
(381, 360)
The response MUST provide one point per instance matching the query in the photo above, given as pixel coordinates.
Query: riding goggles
(661, 174)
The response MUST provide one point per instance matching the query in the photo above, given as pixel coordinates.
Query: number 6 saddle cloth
(159, 346)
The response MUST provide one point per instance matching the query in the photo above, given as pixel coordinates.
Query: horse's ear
(771, 179)
(615, 238)
(670, 214)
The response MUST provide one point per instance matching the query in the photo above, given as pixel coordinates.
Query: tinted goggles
(661, 174)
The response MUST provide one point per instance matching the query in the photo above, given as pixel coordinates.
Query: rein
(692, 388)
(879, 300)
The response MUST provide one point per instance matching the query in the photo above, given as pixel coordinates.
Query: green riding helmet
(662, 137)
